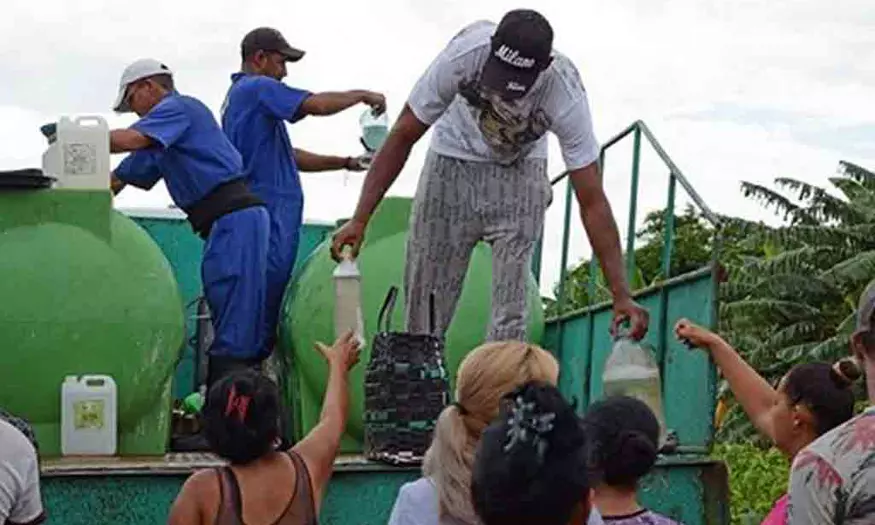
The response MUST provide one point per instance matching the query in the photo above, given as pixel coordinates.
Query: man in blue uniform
(256, 108)
(178, 139)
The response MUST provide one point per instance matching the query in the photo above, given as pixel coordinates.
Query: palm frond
(794, 334)
(805, 288)
(803, 260)
(770, 310)
(791, 236)
(782, 205)
(831, 349)
(822, 206)
(797, 353)
(851, 273)
(857, 173)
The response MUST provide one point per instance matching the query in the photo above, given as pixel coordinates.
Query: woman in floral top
(811, 400)
(833, 479)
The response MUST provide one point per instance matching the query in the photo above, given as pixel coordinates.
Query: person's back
(277, 490)
(262, 485)
(20, 500)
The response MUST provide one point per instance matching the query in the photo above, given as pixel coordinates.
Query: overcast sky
(741, 90)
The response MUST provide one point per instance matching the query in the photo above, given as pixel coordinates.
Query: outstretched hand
(344, 353)
(694, 335)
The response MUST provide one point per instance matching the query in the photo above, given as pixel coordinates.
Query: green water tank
(85, 291)
(308, 312)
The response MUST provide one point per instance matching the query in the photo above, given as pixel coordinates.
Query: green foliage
(692, 244)
(757, 478)
(795, 302)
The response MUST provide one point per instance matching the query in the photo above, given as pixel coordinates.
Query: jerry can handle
(90, 119)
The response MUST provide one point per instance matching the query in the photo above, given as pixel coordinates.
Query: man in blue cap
(178, 139)
(254, 116)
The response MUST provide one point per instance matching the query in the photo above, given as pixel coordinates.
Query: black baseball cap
(268, 39)
(521, 49)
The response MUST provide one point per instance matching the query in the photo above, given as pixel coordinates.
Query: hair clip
(237, 403)
(526, 424)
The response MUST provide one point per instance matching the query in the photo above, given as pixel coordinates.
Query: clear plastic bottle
(347, 300)
(375, 129)
(631, 370)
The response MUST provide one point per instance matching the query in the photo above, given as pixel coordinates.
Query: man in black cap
(492, 94)
(254, 116)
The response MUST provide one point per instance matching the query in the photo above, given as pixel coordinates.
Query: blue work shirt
(253, 117)
(191, 153)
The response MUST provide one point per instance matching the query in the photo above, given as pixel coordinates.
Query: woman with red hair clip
(263, 484)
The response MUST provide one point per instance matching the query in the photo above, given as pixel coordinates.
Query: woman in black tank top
(263, 485)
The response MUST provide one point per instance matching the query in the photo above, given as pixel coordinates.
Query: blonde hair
(485, 375)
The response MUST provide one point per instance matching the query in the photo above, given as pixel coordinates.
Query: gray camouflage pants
(457, 204)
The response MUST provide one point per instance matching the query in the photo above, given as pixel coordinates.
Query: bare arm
(313, 162)
(598, 219)
(319, 448)
(122, 140)
(332, 102)
(388, 163)
(754, 393)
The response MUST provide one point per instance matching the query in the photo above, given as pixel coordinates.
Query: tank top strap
(302, 510)
(230, 506)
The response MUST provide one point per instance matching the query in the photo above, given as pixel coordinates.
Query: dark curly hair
(241, 416)
(531, 463)
(625, 436)
(825, 390)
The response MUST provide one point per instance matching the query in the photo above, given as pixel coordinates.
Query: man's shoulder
(176, 103)
(187, 102)
(473, 37)
(248, 83)
(14, 445)
(565, 76)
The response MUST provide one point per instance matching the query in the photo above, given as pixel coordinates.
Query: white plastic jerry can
(79, 156)
(348, 300)
(89, 416)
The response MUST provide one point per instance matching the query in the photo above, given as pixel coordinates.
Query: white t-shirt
(469, 125)
(20, 500)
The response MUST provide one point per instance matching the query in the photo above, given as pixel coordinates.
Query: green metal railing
(637, 129)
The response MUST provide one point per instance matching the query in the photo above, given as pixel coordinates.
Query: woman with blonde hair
(443, 495)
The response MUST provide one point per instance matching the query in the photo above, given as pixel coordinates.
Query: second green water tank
(308, 311)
